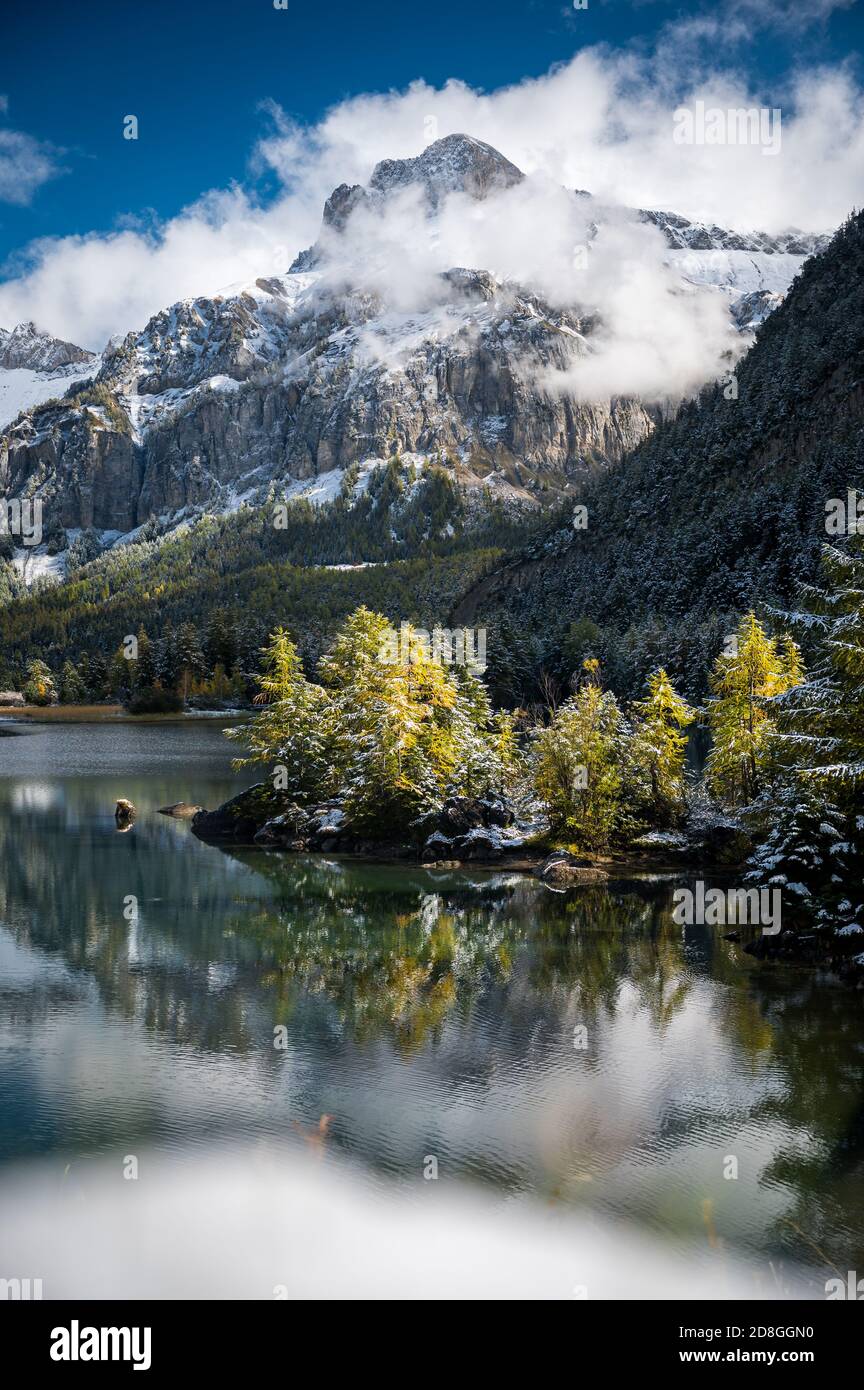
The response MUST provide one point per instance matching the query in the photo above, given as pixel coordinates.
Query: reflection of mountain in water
(427, 1012)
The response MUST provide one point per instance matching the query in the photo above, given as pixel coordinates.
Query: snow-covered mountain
(34, 367)
(736, 263)
(221, 399)
(26, 346)
(455, 164)
(752, 270)
(270, 384)
(684, 235)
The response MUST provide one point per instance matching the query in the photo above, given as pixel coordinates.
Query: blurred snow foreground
(265, 1224)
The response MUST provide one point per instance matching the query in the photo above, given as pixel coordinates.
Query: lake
(577, 1047)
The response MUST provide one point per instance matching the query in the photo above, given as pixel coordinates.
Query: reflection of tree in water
(237, 943)
(590, 942)
(397, 951)
(63, 881)
(818, 1035)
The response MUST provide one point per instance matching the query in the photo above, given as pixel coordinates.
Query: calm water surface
(425, 1012)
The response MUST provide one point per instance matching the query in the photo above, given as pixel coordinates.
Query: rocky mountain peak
(36, 367)
(27, 346)
(454, 164)
(683, 235)
(341, 203)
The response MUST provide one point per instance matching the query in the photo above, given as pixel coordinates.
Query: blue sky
(196, 77)
(234, 97)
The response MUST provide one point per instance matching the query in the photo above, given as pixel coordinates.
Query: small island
(392, 753)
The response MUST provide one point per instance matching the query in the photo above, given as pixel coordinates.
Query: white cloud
(729, 17)
(25, 163)
(789, 14)
(657, 336)
(603, 122)
(88, 288)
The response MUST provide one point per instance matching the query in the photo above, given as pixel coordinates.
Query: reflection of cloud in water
(427, 1011)
(36, 796)
(629, 1124)
(264, 1223)
(22, 969)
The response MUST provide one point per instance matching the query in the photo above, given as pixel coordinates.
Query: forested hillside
(408, 546)
(725, 505)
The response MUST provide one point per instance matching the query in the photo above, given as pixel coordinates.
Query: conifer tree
(144, 673)
(189, 656)
(578, 761)
(808, 852)
(743, 680)
(485, 745)
(821, 720)
(659, 748)
(97, 676)
(73, 691)
(121, 674)
(408, 730)
(220, 643)
(292, 731)
(395, 751)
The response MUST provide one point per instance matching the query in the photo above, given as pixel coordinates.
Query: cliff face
(86, 472)
(282, 381)
(229, 397)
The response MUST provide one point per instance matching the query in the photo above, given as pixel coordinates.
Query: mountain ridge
(724, 506)
(227, 398)
(35, 366)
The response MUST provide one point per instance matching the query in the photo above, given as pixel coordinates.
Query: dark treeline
(415, 543)
(722, 508)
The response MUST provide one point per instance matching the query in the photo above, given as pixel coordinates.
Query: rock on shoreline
(477, 829)
(564, 870)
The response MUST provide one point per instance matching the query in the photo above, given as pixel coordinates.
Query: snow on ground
(35, 563)
(21, 388)
(738, 272)
(361, 565)
(289, 289)
(319, 490)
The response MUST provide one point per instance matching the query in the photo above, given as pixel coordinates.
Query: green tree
(743, 681)
(807, 848)
(97, 676)
(395, 757)
(189, 656)
(165, 658)
(407, 729)
(220, 644)
(39, 687)
(121, 674)
(73, 691)
(486, 745)
(659, 748)
(144, 672)
(292, 730)
(578, 760)
(820, 722)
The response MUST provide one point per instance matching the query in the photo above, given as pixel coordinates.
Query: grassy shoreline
(105, 714)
